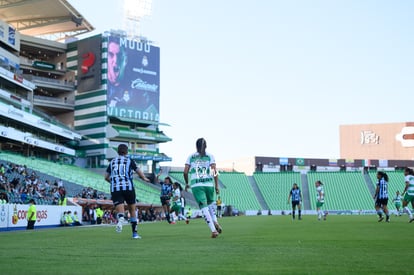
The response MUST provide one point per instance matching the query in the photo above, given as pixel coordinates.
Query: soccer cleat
(380, 219)
(136, 236)
(411, 220)
(218, 227)
(173, 222)
(214, 234)
(119, 225)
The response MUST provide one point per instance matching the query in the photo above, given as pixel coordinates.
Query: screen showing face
(133, 79)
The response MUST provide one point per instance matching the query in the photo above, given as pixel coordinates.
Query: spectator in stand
(60, 183)
(92, 214)
(99, 214)
(86, 213)
(3, 198)
(62, 196)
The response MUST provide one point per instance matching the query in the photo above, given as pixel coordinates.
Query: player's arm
(157, 176)
(186, 170)
(108, 174)
(216, 185)
(290, 193)
(376, 192)
(108, 177)
(141, 175)
(406, 188)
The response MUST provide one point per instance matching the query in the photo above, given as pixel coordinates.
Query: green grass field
(248, 245)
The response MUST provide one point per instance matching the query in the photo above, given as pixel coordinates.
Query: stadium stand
(177, 176)
(275, 187)
(77, 178)
(238, 191)
(344, 191)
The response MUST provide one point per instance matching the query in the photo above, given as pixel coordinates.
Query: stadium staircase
(370, 184)
(275, 187)
(305, 192)
(258, 193)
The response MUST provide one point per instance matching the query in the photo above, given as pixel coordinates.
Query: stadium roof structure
(55, 19)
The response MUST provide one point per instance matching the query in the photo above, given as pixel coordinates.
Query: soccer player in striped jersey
(408, 192)
(381, 197)
(200, 174)
(165, 195)
(119, 174)
(320, 199)
(296, 196)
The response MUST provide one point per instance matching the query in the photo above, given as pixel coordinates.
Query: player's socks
(212, 212)
(208, 219)
(293, 214)
(300, 214)
(379, 212)
(167, 215)
(134, 223)
(408, 211)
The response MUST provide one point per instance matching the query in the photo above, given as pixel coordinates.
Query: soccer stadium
(65, 107)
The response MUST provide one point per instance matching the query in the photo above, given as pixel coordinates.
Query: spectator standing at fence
(31, 215)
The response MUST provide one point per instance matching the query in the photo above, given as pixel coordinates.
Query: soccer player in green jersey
(201, 176)
(320, 200)
(397, 202)
(408, 191)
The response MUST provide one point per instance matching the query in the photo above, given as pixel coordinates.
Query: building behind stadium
(56, 101)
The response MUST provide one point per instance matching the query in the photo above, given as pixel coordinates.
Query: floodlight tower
(134, 11)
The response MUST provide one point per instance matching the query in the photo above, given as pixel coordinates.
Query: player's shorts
(119, 197)
(397, 205)
(295, 203)
(218, 207)
(165, 200)
(204, 195)
(408, 198)
(381, 202)
(176, 208)
(319, 204)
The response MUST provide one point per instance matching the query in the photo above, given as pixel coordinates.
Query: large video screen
(133, 79)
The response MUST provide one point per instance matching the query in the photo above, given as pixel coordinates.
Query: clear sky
(275, 78)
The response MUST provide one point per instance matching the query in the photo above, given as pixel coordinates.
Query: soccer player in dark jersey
(296, 195)
(165, 196)
(119, 175)
(381, 196)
